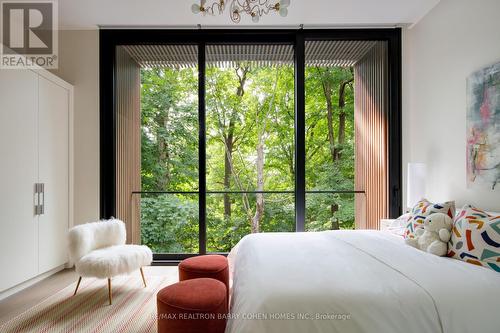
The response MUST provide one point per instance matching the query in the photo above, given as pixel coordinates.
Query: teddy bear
(434, 237)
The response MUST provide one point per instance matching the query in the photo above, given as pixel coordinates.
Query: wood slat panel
(371, 118)
(225, 56)
(128, 143)
(170, 56)
(336, 53)
(318, 53)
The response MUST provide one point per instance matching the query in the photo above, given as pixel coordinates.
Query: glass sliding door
(250, 141)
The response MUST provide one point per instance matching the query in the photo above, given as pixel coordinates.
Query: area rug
(133, 308)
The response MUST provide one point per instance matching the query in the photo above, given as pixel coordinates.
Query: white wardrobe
(35, 165)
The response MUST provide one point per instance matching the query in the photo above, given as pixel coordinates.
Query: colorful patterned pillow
(424, 208)
(475, 238)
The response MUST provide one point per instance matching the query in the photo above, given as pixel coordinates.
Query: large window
(250, 141)
(236, 136)
(329, 133)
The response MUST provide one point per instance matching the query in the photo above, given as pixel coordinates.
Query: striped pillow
(475, 238)
(422, 209)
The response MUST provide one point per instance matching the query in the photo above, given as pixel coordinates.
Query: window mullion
(300, 150)
(202, 150)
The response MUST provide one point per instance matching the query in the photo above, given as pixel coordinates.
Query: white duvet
(356, 281)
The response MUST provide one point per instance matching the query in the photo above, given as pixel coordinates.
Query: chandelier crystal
(254, 8)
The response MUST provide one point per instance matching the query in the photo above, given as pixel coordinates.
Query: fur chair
(98, 250)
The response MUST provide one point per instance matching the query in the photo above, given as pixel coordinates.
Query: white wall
(455, 39)
(79, 65)
(79, 14)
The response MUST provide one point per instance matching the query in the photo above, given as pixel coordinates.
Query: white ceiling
(88, 14)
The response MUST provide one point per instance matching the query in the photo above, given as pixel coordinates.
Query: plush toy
(434, 237)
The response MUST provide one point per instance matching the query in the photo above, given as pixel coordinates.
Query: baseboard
(23, 285)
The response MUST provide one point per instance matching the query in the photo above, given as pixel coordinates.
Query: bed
(355, 281)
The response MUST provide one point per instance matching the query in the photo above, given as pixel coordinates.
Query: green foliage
(262, 112)
(169, 110)
(252, 111)
(223, 234)
(321, 172)
(170, 223)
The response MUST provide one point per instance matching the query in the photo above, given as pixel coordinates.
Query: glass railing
(169, 221)
(225, 230)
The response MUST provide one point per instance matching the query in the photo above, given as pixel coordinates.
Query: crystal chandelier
(254, 8)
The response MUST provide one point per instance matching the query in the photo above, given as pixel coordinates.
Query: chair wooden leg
(109, 291)
(77, 285)
(143, 278)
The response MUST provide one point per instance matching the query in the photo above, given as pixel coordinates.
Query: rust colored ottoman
(192, 306)
(207, 266)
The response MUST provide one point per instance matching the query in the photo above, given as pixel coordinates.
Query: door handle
(37, 198)
(42, 193)
(38, 193)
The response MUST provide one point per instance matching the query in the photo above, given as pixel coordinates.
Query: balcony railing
(169, 221)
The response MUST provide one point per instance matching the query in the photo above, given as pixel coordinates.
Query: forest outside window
(206, 141)
(250, 142)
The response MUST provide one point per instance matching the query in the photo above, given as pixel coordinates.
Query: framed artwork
(483, 128)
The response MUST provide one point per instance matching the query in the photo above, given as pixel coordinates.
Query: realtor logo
(29, 34)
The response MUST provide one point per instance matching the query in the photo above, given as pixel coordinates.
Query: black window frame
(109, 39)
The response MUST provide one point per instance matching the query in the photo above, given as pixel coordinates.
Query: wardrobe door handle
(37, 198)
(42, 193)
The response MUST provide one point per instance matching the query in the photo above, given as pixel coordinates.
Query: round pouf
(192, 306)
(207, 266)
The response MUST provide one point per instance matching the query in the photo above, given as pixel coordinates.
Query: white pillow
(489, 213)
(475, 238)
(398, 226)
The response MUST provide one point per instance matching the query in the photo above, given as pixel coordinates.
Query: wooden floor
(25, 299)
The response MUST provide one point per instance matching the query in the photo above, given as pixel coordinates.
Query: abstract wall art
(483, 128)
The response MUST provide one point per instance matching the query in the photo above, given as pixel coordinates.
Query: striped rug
(133, 309)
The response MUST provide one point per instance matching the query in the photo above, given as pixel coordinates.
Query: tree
(330, 89)
(262, 121)
(335, 78)
(169, 130)
(250, 117)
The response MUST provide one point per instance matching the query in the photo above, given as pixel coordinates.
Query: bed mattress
(356, 281)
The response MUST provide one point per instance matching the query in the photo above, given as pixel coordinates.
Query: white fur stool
(98, 250)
